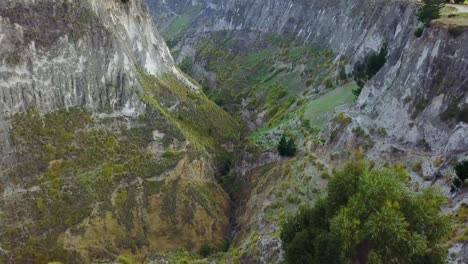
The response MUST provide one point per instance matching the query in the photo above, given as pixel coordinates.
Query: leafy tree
(430, 10)
(371, 215)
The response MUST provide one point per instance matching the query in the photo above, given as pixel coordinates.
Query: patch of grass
(172, 154)
(320, 110)
(203, 123)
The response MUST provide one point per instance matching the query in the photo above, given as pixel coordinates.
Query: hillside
(107, 149)
(289, 67)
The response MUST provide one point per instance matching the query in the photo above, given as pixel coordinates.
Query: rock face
(61, 54)
(415, 108)
(105, 147)
(426, 71)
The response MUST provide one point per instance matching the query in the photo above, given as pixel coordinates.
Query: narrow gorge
(209, 131)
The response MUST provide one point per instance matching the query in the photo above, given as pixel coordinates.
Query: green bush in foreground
(371, 215)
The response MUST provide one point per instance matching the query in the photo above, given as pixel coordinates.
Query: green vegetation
(178, 26)
(202, 122)
(321, 109)
(205, 250)
(455, 113)
(366, 69)
(430, 10)
(371, 215)
(123, 259)
(287, 147)
(258, 72)
(419, 31)
(461, 170)
(461, 219)
(77, 162)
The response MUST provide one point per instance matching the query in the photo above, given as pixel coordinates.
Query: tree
(430, 10)
(287, 147)
(371, 215)
(461, 169)
(365, 70)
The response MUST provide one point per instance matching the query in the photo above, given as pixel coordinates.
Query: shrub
(124, 260)
(328, 82)
(430, 10)
(351, 224)
(417, 167)
(287, 147)
(343, 119)
(461, 169)
(205, 250)
(357, 91)
(365, 70)
(381, 131)
(456, 113)
(419, 31)
(172, 154)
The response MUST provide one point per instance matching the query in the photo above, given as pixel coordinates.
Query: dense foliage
(287, 147)
(365, 70)
(371, 215)
(430, 10)
(462, 174)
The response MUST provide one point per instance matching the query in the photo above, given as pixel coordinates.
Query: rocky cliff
(289, 70)
(106, 148)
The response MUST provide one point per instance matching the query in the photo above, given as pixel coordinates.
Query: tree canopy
(371, 215)
(287, 147)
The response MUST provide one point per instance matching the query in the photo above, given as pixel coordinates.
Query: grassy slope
(81, 162)
(289, 82)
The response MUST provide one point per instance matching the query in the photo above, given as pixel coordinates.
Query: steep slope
(106, 148)
(286, 67)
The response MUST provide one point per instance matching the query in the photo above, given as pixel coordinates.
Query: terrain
(139, 131)
(107, 148)
(289, 67)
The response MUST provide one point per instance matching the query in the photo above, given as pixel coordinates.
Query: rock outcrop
(105, 147)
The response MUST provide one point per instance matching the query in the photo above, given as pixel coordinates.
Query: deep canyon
(146, 131)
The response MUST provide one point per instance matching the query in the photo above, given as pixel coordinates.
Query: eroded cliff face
(418, 69)
(106, 148)
(413, 111)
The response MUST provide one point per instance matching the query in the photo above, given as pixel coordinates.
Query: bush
(456, 113)
(419, 31)
(461, 169)
(365, 70)
(430, 10)
(371, 215)
(124, 260)
(343, 119)
(287, 147)
(205, 250)
(172, 154)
